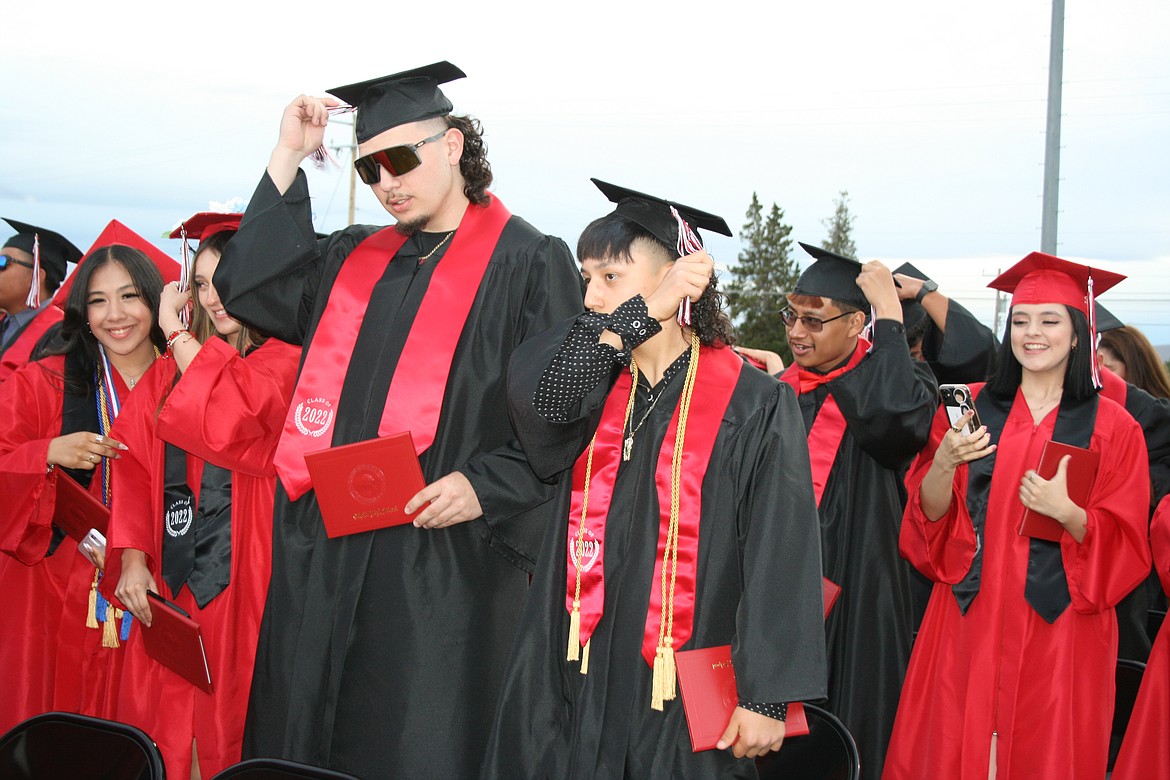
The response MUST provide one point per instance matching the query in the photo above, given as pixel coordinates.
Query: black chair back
(65, 745)
(1129, 679)
(827, 752)
(278, 769)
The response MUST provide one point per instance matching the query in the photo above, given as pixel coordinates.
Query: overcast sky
(931, 115)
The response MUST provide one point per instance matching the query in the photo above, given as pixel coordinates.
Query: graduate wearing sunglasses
(32, 266)
(867, 407)
(405, 328)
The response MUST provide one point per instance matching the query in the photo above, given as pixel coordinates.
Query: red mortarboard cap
(1041, 278)
(206, 224)
(117, 233)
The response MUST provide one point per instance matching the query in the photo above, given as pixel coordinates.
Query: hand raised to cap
(688, 277)
(302, 131)
(876, 281)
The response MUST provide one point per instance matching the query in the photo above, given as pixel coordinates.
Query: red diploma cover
(707, 681)
(365, 485)
(77, 510)
(829, 593)
(1082, 469)
(175, 641)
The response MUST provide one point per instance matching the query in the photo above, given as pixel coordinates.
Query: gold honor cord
(575, 652)
(663, 685)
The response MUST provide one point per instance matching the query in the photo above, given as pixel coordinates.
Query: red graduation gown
(1145, 753)
(17, 353)
(1046, 689)
(49, 660)
(228, 410)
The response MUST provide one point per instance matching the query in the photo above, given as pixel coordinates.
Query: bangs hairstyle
(1078, 374)
(201, 325)
(75, 333)
(611, 237)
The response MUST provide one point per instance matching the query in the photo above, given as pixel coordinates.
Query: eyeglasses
(6, 260)
(397, 160)
(811, 324)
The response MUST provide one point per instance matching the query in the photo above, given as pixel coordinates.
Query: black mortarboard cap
(912, 311)
(654, 214)
(831, 276)
(56, 251)
(390, 101)
(1106, 320)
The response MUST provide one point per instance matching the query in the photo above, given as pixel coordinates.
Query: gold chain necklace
(438, 246)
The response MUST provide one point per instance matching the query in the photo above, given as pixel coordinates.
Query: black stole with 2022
(1046, 588)
(197, 536)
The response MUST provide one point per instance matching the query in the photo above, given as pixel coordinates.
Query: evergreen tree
(840, 227)
(764, 274)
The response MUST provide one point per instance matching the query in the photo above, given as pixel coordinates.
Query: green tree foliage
(840, 227)
(764, 274)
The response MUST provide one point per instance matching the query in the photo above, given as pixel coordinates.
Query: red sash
(416, 395)
(20, 348)
(829, 428)
(718, 372)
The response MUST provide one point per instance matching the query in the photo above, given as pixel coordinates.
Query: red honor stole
(415, 396)
(716, 376)
(829, 428)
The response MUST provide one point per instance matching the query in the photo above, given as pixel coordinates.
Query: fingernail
(122, 446)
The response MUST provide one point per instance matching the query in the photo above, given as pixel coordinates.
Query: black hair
(75, 333)
(1078, 374)
(611, 237)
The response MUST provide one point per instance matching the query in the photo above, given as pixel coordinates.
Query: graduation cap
(117, 233)
(831, 276)
(1106, 320)
(1043, 278)
(654, 214)
(50, 250)
(913, 312)
(390, 101)
(206, 224)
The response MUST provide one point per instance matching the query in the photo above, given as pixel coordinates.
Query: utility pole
(1052, 137)
(351, 147)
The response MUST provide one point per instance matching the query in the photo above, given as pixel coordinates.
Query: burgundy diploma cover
(175, 641)
(707, 681)
(1082, 470)
(365, 485)
(77, 510)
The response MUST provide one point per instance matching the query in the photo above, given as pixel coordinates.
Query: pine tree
(840, 227)
(764, 274)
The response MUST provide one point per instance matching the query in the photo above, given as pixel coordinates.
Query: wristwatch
(928, 286)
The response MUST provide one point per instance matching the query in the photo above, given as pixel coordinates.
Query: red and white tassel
(184, 274)
(33, 301)
(1092, 307)
(321, 157)
(688, 244)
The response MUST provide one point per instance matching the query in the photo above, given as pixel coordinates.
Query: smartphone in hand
(958, 401)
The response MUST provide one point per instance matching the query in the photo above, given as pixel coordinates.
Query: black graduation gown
(888, 401)
(381, 653)
(758, 587)
(965, 352)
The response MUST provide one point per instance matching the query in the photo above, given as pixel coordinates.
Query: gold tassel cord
(664, 683)
(91, 620)
(585, 657)
(110, 628)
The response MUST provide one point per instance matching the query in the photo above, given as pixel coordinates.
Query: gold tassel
(585, 657)
(110, 629)
(656, 697)
(91, 620)
(574, 653)
(669, 675)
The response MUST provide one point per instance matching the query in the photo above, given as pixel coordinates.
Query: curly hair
(473, 165)
(1143, 367)
(612, 236)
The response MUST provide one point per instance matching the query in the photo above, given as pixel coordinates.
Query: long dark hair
(1143, 367)
(612, 236)
(75, 335)
(1078, 373)
(474, 165)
